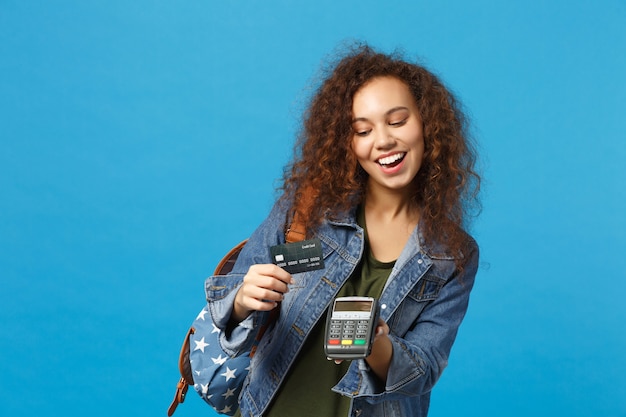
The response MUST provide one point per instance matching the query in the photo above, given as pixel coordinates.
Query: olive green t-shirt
(306, 390)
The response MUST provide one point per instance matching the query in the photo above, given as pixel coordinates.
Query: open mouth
(391, 160)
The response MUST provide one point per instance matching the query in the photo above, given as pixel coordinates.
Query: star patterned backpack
(217, 377)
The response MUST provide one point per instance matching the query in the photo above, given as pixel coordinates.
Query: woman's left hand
(382, 350)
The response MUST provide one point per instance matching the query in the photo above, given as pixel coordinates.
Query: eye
(399, 122)
(361, 129)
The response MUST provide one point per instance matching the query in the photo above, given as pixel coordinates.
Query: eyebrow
(389, 112)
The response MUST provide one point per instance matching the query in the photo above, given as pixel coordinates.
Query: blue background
(142, 139)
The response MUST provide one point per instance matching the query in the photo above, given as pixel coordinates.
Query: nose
(384, 139)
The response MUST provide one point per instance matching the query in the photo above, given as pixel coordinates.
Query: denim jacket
(423, 302)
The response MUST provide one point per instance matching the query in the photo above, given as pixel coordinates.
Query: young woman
(383, 176)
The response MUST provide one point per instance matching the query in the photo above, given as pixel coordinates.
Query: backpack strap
(186, 378)
(296, 232)
(228, 261)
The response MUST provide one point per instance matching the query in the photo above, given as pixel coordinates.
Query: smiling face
(388, 138)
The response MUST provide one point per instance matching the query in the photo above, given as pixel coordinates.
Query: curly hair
(325, 178)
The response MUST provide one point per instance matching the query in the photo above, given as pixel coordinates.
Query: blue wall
(142, 139)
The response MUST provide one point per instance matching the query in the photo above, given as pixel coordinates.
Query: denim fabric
(423, 302)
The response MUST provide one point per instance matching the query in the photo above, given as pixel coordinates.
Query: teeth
(391, 159)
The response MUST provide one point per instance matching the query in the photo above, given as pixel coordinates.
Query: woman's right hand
(263, 287)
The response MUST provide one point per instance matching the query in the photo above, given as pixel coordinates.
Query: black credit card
(299, 256)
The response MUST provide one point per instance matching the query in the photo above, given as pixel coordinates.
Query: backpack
(206, 361)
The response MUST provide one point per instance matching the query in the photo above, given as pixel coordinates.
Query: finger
(382, 328)
(273, 271)
(252, 298)
(258, 305)
(263, 294)
(263, 287)
(266, 282)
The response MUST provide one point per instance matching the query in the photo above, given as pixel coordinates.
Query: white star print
(215, 329)
(202, 314)
(219, 360)
(226, 410)
(229, 393)
(200, 344)
(205, 388)
(229, 374)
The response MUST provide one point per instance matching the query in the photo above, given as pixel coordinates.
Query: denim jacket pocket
(425, 291)
(427, 288)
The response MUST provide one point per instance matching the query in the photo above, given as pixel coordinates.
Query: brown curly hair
(325, 178)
